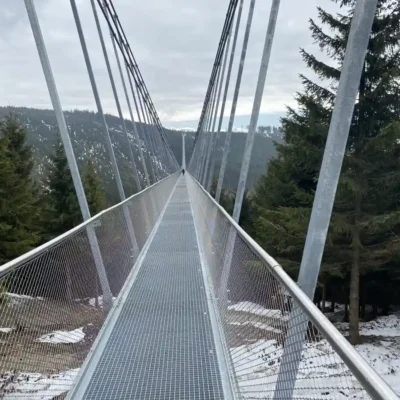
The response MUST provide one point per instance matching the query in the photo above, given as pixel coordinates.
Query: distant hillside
(263, 150)
(88, 142)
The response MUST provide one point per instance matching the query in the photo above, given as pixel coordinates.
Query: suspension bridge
(153, 297)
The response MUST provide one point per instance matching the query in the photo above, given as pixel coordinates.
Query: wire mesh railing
(51, 302)
(256, 303)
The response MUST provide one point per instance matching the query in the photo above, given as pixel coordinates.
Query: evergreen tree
(95, 194)
(19, 211)
(62, 207)
(365, 222)
(246, 214)
(227, 198)
(227, 201)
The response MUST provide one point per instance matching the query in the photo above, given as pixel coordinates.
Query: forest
(31, 213)
(361, 263)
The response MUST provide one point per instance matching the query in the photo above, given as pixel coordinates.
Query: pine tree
(227, 198)
(246, 213)
(95, 194)
(62, 207)
(365, 223)
(19, 206)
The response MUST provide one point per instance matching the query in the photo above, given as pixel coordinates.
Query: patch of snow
(338, 307)
(322, 374)
(35, 385)
(257, 367)
(385, 360)
(258, 325)
(382, 326)
(184, 129)
(47, 125)
(6, 330)
(388, 326)
(92, 301)
(252, 308)
(240, 129)
(63, 337)
(18, 298)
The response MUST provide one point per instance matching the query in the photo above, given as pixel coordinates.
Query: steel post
(116, 99)
(211, 175)
(215, 143)
(134, 127)
(201, 144)
(205, 141)
(256, 109)
(183, 152)
(109, 146)
(152, 137)
(212, 126)
(326, 190)
(69, 152)
(210, 135)
(248, 148)
(141, 126)
(149, 139)
(234, 103)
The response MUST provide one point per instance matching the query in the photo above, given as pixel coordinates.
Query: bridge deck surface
(162, 345)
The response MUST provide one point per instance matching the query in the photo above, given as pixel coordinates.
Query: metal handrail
(13, 264)
(372, 382)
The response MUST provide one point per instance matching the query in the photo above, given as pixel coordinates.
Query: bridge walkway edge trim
(228, 381)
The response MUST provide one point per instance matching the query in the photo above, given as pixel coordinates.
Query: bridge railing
(255, 302)
(51, 303)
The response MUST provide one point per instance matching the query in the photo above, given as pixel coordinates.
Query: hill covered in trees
(88, 141)
(264, 149)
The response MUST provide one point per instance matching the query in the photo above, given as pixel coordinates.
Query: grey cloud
(174, 43)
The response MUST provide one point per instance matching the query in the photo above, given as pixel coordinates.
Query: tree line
(361, 262)
(32, 213)
(268, 130)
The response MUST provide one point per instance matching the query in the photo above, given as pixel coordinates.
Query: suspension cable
(117, 31)
(218, 58)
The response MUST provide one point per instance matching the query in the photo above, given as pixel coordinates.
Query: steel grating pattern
(162, 345)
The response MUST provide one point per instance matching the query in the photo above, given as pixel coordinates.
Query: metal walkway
(162, 344)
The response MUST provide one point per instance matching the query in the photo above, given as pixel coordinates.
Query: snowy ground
(92, 301)
(321, 373)
(37, 386)
(43, 342)
(63, 337)
(6, 330)
(18, 298)
(383, 326)
(247, 306)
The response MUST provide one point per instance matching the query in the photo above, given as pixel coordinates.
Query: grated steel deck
(162, 345)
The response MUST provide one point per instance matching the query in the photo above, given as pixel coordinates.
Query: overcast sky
(174, 42)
